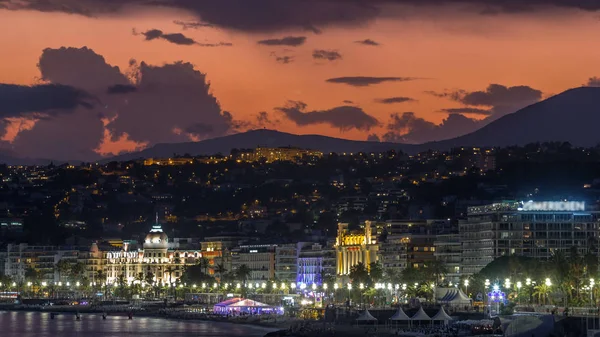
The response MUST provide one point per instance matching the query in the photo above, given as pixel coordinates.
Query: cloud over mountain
(18, 100)
(343, 117)
(593, 82)
(161, 104)
(408, 128)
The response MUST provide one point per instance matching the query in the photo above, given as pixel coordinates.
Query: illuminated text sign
(565, 206)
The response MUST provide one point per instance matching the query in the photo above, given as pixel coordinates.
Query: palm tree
(170, 270)
(63, 267)
(438, 270)
(101, 277)
(243, 273)
(542, 291)
(204, 264)
(220, 270)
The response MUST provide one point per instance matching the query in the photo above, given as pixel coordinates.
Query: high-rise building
(315, 262)
(260, 259)
(532, 229)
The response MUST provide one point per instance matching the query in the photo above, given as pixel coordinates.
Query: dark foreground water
(30, 324)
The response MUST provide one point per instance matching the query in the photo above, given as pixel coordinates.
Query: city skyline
(391, 70)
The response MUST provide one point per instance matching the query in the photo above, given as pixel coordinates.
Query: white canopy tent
(420, 316)
(442, 316)
(400, 316)
(452, 296)
(366, 316)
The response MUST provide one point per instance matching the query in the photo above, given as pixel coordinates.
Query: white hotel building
(532, 229)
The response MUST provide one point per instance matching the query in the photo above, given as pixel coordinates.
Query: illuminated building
(20, 257)
(531, 229)
(355, 247)
(168, 161)
(314, 262)
(260, 259)
(278, 154)
(163, 260)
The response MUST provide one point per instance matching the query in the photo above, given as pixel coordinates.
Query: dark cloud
(277, 15)
(408, 128)
(199, 129)
(290, 41)
(363, 81)
(169, 101)
(152, 34)
(179, 39)
(264, 120)
(121, 89)
(176, 38)
(368, 42)
(500, 99)
(342, 117)
(500, 95)
(285, 59)
(473, 111)
(593, 82)
(329, 55)
(16, 100)
(185, 25)
(392, 100)
(348, 101)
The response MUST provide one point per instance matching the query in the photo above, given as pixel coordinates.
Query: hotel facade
(531, 229)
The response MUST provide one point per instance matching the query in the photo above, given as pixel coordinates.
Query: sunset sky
(377, 70)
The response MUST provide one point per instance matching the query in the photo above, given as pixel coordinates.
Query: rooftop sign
(564, 206)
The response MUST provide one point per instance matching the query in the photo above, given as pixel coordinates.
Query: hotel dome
(156, 238)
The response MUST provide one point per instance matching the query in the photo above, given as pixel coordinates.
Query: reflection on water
(29, 324)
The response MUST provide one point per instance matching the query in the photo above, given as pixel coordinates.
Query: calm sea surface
(30, 324)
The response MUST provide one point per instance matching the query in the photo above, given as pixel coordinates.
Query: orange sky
(546, 52)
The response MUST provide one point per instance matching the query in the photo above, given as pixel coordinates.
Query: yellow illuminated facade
(279, 153)
(353, 248)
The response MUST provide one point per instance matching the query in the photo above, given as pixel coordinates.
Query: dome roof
(156, 238)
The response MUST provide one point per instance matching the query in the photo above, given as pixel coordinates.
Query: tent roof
(400, 315)
(452, 295)
(421, 316)
(240, 302)
(441, 316)
(366, 316)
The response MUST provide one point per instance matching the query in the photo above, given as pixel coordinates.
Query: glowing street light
(528, 281)
(349, 286)
(507, 283)
(314, 286)
(362, 286)
(548, 282)
(519, 285)
(325, 286)
(335, 286)
(487, 283)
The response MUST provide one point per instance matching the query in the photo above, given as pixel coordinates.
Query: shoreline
(149, 314)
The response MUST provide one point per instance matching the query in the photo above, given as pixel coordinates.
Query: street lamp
(467, 287)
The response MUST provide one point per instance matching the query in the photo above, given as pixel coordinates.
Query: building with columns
(164, 261)
(354, 247)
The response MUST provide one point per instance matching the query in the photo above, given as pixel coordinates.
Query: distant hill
(264, 138)
(572, 116)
